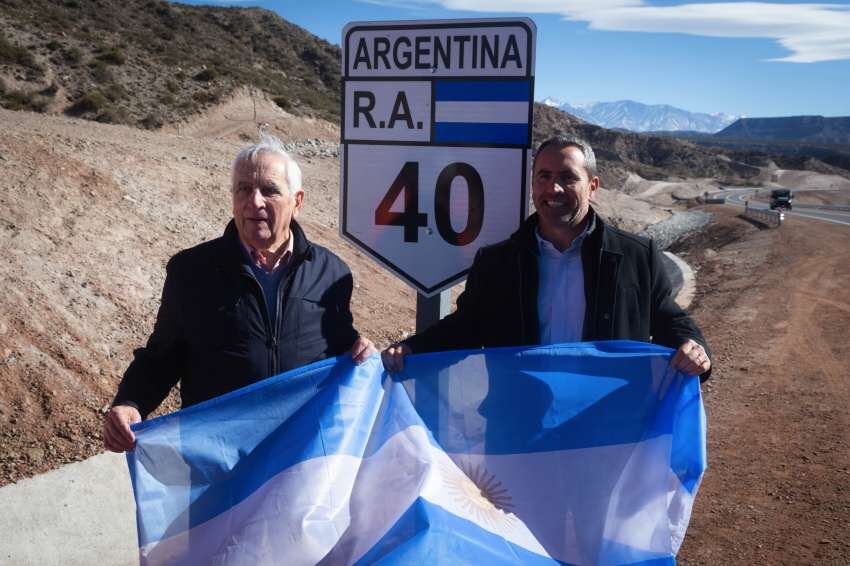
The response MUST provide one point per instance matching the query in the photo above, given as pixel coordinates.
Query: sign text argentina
(436, 130)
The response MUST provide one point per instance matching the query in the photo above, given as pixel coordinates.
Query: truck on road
(780, 199)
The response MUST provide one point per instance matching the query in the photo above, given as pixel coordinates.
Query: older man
(259, 300)
(565, 276)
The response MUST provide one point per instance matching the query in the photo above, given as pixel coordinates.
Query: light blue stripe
(525, 411)
(457, 132)
(473, 90)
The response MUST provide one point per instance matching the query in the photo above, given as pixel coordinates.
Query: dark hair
(561, 141)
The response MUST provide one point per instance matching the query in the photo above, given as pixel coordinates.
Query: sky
(771, 58)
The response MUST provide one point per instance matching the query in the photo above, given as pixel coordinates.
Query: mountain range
(638, 117)
(154, 64)
(811, 129)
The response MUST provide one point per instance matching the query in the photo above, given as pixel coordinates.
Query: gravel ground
(313, 148)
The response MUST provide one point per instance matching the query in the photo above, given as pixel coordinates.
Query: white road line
(825, 219)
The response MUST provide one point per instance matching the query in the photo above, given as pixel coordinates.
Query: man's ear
(594, 185)
(299, 201)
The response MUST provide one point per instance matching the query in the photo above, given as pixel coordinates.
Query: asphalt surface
(834, 214)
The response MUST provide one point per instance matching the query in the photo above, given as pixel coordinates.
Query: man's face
(561, 188)
(263, 205)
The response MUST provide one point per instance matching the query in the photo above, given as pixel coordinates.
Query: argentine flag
(570, 454)
(487, 112)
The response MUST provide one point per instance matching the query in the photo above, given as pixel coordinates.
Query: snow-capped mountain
(638, 117)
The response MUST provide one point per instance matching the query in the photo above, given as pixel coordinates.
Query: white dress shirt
(560, 291)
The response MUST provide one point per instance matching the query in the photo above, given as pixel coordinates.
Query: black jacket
(213, 333)
(627, 293)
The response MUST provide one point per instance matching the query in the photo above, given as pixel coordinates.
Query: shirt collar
(282, 261)
(548, 248)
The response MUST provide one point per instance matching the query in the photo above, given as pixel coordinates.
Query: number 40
(411, 219)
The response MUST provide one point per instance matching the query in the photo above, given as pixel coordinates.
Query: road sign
(436, 136)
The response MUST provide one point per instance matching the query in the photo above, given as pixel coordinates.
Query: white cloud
(810, 32)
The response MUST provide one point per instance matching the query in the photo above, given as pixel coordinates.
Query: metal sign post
(435, 151)
(431, 309)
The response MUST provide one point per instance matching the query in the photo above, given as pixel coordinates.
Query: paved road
(834, 214)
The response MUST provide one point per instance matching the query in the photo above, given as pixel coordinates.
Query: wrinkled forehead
(263, 167)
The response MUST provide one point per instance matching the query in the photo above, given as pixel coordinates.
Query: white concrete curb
(686, 294)
(80, 514)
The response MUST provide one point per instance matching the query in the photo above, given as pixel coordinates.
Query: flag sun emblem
(480, 493)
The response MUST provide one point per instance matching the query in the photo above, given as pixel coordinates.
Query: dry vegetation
(149, 62)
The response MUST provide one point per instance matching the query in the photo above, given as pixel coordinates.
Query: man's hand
(117, 435)
(393, 357)
(362, 349)
(691, 359)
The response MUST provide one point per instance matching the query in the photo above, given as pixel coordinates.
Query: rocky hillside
(149, 63)
(809, 129)
(651, 157)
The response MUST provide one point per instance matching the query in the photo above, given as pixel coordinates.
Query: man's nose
(257, 198)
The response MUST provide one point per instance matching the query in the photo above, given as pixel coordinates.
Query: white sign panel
(436, 131)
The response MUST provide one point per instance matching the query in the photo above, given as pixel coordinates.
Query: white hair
(273, 146)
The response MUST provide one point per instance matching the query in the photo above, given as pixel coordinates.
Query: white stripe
(482, 112)
(294, 518)
(580, 502)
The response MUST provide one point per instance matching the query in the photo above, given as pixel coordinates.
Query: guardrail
(763, 215)
(836, 207)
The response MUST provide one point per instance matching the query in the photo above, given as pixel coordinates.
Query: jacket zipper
(281, 314)
(264, 313)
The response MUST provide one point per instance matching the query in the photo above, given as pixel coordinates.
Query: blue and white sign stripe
(569, 454)
(486, 112)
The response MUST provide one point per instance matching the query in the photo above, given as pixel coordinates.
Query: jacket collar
(526, 236)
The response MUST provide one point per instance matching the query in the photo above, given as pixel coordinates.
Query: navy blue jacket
(213, 333)
(627, 295)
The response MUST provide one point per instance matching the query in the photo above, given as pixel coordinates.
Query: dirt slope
(775, 307)
(89, 214)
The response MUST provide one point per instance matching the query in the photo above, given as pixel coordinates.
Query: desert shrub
(206, 75)
(151, 122)
(112, 115)
(72, 55)
(21, 100)
(113, 91)
(283, 102)
(92, 102)
(49, 90)
(204, 97)
(53, 45)
(112, 56)
(100, 71)
(16, 55)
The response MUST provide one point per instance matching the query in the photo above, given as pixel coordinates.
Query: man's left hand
(362, 349)
(691, 358)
